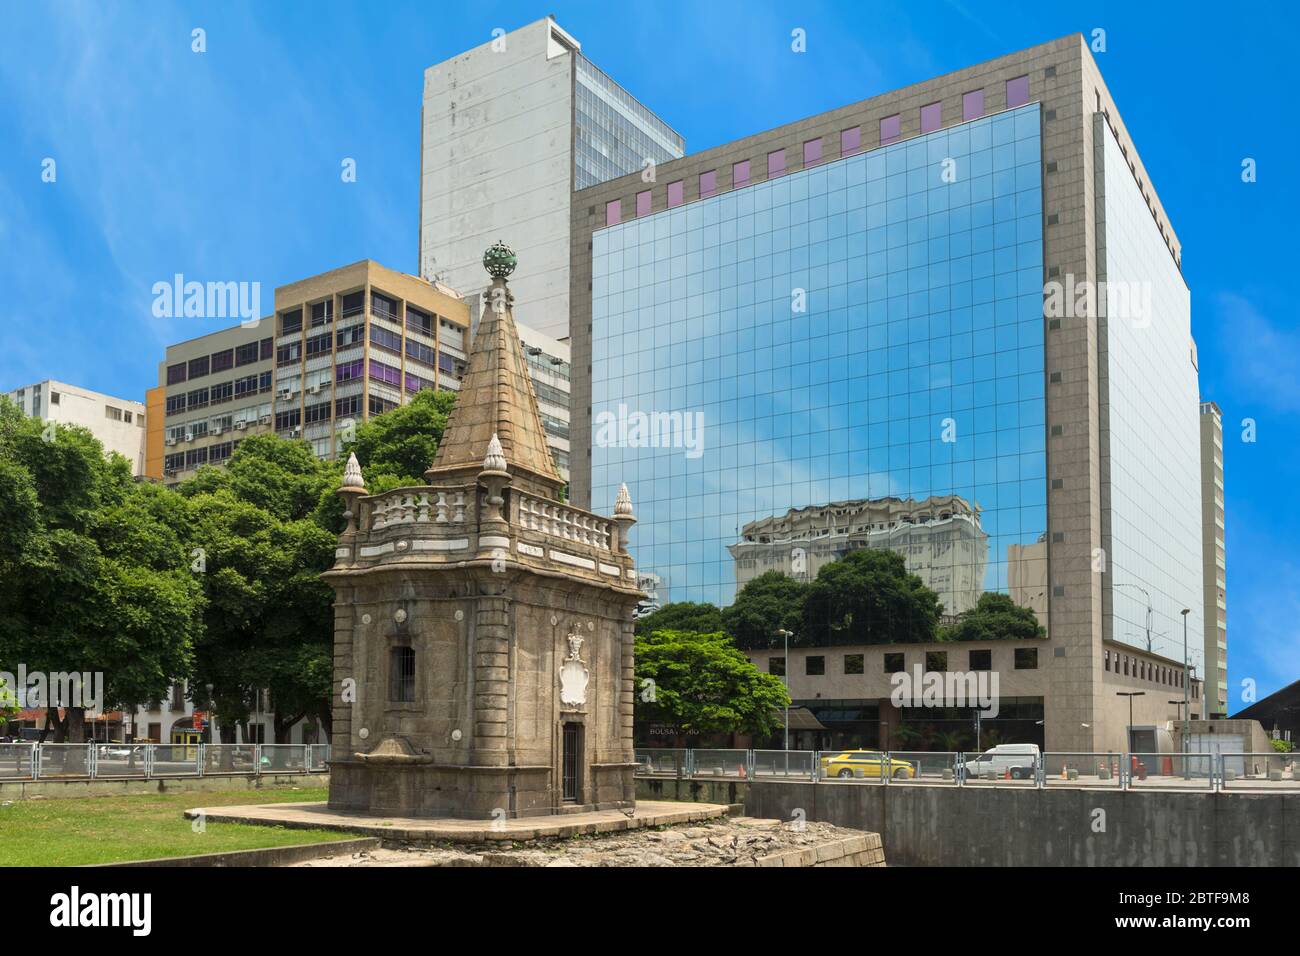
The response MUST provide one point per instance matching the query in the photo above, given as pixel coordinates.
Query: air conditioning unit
(264, 420)
(217, 431)
(313, 389)
(297, 429)
(170, 441)
(241, 425)
(286, 393)
(189, 436)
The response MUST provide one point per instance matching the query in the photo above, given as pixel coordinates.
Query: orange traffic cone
(742, 769)
(1064, 773)
(1007, 775)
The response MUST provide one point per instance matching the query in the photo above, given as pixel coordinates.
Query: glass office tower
(860, 344)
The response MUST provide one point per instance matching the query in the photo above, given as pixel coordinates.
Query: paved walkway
(648, 813)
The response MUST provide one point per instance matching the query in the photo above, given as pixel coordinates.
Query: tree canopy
(869, 597)
(690, 681)
(770, 602)
(681, 616)
(994, 617)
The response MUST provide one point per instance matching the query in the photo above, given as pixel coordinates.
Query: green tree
(994, 617)
(681, 616)
(770, 602)
(96, 579)
(869, 597)
(403, 442)
(702, 682)
(262, 549)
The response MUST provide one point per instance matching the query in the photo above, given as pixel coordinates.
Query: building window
(891, 128)
(268, 348)
(384, 307)
(643, 203)
(1017, 91)
(221, 361)
(812, 152)
(708, 183)
(931, 117)
(972, 105)
(740, 174)
(291, 322)
(850, 141)
(776, 666)
(1026, 658)
(198, 367)
(981, 660)
(936, 661)
(322, 312)
(54, 398)
(114, 414)
(417, 321)
(175, 373)
(246, 354)
(1106, 658)
(613, 212)
(675, 194)
(814, 666)
(775, 163)
(854, 664)
(893, 663)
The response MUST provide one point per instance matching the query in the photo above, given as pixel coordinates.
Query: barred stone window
(401, 675)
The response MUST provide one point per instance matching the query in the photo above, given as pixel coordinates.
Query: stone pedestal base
(475, 793)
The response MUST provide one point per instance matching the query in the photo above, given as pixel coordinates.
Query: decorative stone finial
(352, 477)
(623, 503)
(495, 460)
(499, 261)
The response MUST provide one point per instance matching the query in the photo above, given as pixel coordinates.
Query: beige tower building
(483, 628)
(1216, 602)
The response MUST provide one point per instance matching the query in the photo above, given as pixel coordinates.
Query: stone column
(491, 682)
(344, 668)
(627, 691)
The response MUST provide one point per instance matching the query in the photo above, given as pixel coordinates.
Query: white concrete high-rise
(509, 130)
(118, 423)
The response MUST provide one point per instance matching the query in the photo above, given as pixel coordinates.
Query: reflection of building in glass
(650, 583)
(939, 537)
(1027, 576)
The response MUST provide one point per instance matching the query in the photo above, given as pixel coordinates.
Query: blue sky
(225, 165)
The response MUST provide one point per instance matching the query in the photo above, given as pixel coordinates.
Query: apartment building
(118, 423)
(341, 347)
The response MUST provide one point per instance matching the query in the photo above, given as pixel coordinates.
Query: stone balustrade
(559, 520)
(401, 506)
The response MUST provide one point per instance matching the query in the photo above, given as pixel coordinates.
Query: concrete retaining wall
(990, 826)
(687, 790)
(105, 787)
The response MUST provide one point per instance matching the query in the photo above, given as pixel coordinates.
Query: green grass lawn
(115, 829)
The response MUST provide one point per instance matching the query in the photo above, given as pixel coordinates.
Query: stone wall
(950, 826)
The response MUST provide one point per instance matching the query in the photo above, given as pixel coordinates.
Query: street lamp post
(1187, 705)
(1130, 694)
(785, 635)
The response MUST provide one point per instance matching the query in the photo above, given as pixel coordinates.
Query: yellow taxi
(865, 763)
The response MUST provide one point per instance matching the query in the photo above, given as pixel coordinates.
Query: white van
(1019, 759)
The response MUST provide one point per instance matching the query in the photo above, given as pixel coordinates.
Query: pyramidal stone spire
(496, 404)
(352, 477)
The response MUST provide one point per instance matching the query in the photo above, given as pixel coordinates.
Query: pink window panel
(1017, 91)
(931, 117)
(675, 194)
(812, 152)
(850, 141)
(972, 105)
(891, 128)
(708, 183)
(613, 212)
(643, 203)
(775, 163)
(740, 174)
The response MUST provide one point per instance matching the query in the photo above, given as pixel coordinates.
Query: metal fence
(32, 761)
(1120, 771)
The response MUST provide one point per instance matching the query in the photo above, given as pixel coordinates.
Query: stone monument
(482, 626)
